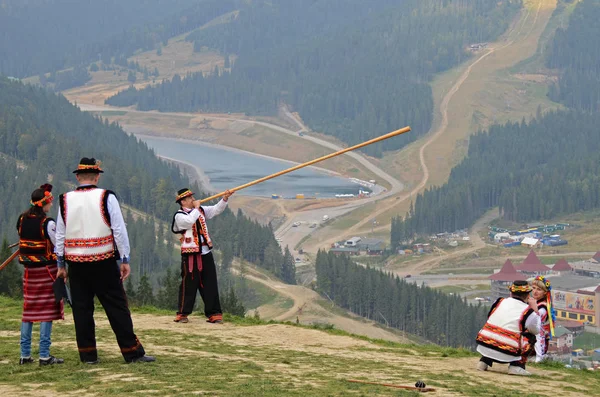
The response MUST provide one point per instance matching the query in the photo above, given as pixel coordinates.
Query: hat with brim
(520, 287)
(88, 166)
(183, 193)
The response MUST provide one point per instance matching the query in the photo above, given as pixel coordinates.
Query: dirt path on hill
(433, 136)
(308, 311)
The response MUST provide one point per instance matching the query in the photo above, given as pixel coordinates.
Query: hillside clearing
(239, 359)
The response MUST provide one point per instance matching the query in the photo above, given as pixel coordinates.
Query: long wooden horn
(297, 167)
(10, 259)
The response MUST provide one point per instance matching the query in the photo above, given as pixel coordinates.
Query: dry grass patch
(178, 57)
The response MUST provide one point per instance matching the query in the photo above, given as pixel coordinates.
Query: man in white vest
(198, 270)
(508, 336)
(89, 227)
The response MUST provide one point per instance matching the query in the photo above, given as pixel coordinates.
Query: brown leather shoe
(215, 319)
(180, 318)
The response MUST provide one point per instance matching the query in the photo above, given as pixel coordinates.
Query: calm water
(228, 168)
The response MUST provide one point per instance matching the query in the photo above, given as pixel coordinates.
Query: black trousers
(101, 279)
(204, 281)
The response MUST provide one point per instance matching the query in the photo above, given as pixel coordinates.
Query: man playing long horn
(198, 271)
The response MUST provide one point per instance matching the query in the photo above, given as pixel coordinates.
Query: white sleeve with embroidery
(214, 210)
(117, 224)
(186, 221)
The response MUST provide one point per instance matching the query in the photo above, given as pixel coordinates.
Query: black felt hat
(89, 166)
(183, 193)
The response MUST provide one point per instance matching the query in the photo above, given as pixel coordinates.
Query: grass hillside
(247, 357)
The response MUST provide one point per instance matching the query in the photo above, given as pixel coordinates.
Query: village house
(562, 343)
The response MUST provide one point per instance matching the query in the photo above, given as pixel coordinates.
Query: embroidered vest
(190, 239)
(545, 320)
(35, 247)
(504, 328)
(88, 236)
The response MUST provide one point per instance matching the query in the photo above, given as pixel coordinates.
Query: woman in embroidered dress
(36, 253)
(541, 292)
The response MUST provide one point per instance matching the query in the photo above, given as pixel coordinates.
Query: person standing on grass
(509, 333)
(89, 226)
(36, 253)
(198, 270)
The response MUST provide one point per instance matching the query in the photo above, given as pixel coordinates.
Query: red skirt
(38, 296)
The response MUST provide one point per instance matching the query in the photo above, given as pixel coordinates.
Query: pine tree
(168, 294)
(225, 268)
(10, 277)
(144, 291)
(131, 292)
(131, 77)
(288, 268)
(232, 305)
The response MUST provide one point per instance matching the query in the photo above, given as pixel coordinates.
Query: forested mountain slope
(575, 51)
(535, 170)
(40, 36)
(418, 310)
(352, 69)
(43, 136)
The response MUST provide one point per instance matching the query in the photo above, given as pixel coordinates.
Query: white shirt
(186, 221)
(52, 231)
(532, 324)
(117, 224)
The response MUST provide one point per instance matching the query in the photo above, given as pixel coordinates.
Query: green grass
(586, 341)
(263, 295)
(225, 362)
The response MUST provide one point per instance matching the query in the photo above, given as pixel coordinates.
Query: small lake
(227, 168)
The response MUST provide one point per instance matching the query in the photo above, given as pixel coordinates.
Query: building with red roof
(532, 266)
(562, 266)
(501, 280)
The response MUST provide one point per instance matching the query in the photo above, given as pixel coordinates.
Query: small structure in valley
(532, 266)
(501, 280)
